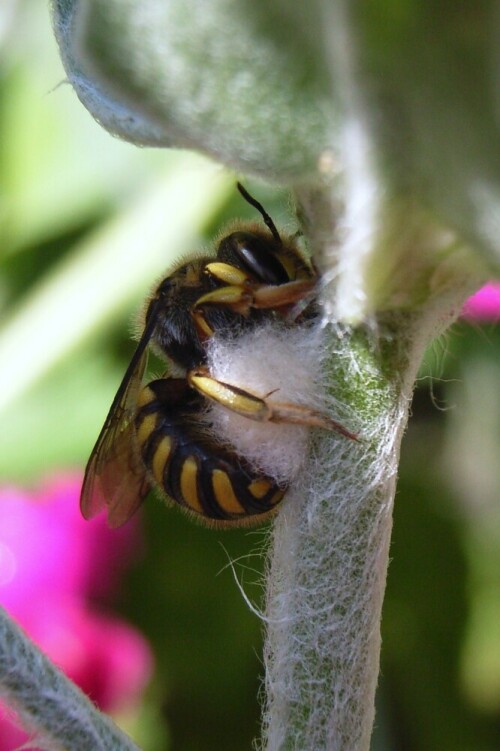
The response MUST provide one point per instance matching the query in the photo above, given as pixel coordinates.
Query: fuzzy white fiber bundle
(281, 364)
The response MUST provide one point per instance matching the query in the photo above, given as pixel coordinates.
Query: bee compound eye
(257, 255)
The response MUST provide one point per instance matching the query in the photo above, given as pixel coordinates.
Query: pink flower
(54, 567)
(484, 305)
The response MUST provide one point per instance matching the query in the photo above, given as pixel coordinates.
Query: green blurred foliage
(63, 184)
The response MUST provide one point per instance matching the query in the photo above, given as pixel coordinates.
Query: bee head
(255, 252)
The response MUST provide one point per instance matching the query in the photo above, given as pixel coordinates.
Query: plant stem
(49, 704)
(330, 550)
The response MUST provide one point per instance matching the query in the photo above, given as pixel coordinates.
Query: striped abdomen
(190, 467)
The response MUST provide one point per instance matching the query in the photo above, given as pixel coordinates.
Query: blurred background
(86, 225)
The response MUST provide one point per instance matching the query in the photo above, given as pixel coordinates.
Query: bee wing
(115, 479)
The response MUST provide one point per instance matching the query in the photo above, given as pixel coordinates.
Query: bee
(155, 435)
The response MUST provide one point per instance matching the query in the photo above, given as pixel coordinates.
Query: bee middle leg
(259, 408)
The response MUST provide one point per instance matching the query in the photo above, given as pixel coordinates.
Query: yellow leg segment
(258, 408)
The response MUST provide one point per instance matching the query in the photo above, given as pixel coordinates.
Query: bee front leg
(259, 408)
(242, 298)
(242, 293)
(234, 297)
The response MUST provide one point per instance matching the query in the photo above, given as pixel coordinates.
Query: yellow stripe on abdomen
(277, 497)
(146, 396)
(189, 484)
(260, 488)
(160, 458)
(147, 426)
(224, 493)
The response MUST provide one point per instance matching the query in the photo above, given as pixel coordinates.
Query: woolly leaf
(242, 81)
(403, 96)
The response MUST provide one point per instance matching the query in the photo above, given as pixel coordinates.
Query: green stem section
(49, 705)
(330, 547)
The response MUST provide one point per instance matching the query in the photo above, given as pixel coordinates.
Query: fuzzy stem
(330, 551)
(49, 705)
(330, 543)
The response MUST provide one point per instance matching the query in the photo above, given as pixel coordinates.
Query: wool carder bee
(157, 435)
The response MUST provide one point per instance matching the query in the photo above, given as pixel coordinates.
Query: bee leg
(258, 408)
(243, 298)
(231, 296)
(228, 274)
(279, 296)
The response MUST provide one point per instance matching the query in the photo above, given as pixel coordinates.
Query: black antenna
(267, 219)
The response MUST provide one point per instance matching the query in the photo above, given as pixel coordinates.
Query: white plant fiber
(329, 555)
(330, 540)
(282, 364)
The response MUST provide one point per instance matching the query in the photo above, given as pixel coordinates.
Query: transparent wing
(115, 479)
